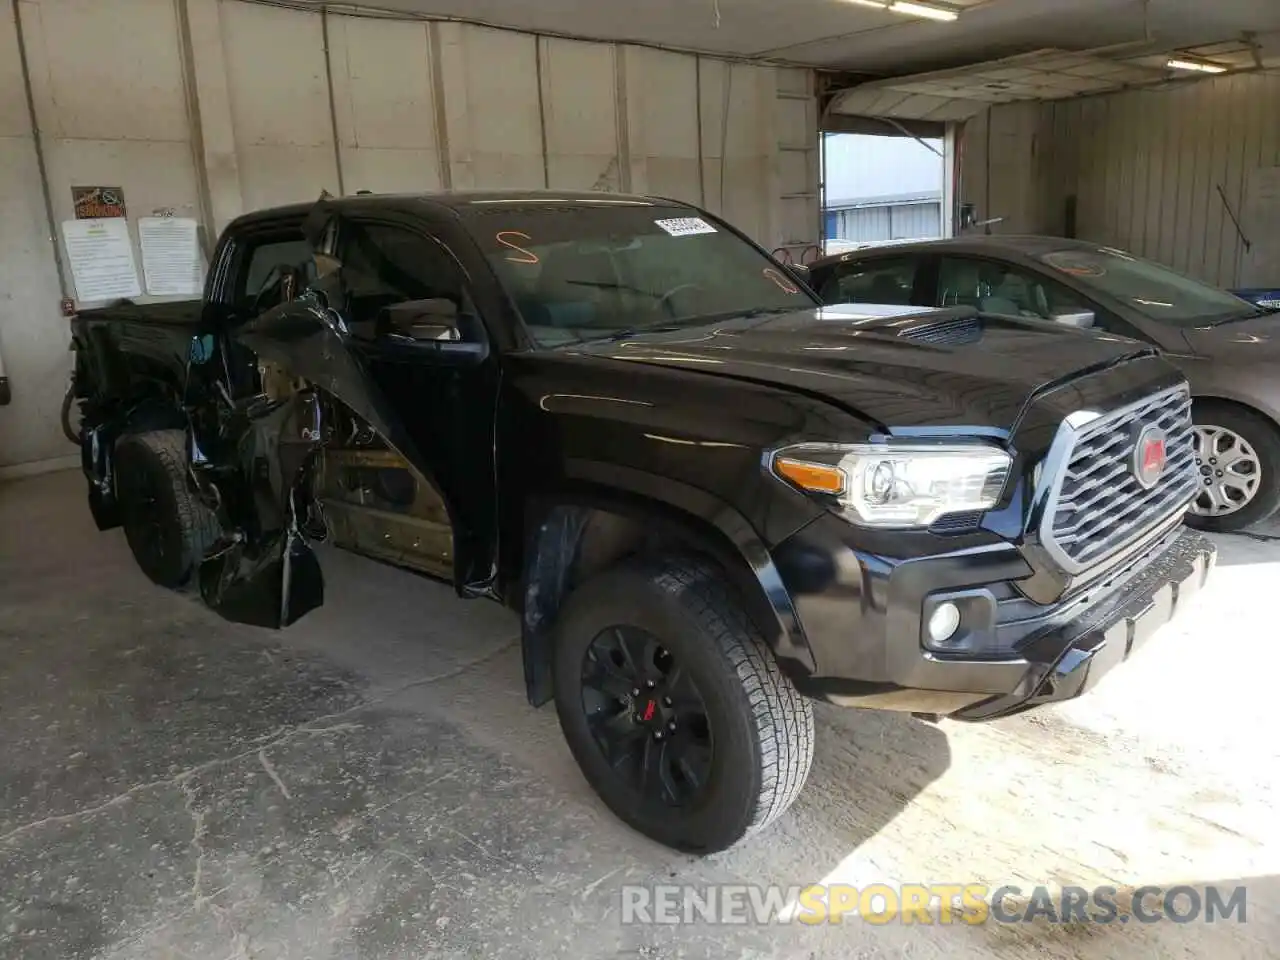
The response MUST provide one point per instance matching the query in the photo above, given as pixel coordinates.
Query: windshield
(586, 270)
(1152, 290)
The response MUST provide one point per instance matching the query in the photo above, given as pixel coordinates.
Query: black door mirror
(421, 320)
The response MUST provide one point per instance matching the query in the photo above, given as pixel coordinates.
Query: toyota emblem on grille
(1149, 456)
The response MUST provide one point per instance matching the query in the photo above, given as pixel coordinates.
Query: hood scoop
(945, 331)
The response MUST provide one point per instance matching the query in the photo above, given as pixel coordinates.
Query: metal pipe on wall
(333, 109)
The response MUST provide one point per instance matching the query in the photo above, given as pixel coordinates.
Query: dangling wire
(715, 7)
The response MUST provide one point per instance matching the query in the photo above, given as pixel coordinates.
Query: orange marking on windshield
(780, 280)
(523, 255)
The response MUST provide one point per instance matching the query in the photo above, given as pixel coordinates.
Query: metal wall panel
(798, 158)
(384, 100)
(998, 166)
(1153, 171)
(740, 143)
(277, 81)
(580, 115)
(661, 94)
(33, 337)
(493, 108)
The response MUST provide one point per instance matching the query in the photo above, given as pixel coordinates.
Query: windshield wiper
(664, 327)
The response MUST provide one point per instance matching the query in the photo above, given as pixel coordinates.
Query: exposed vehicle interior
(372, 499)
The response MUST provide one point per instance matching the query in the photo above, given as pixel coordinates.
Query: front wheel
(1238, 462)
(675, 708)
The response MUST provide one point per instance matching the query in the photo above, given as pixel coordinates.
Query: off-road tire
(762, 727)
(1263, 436)
(167, 527)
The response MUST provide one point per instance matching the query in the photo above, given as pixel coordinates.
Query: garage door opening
(881, 189)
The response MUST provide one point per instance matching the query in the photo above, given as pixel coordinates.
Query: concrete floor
(371, 783)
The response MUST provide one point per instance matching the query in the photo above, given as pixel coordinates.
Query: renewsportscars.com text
(930, 904)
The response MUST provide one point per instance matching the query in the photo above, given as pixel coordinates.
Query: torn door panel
(263, 572)
(270, 455)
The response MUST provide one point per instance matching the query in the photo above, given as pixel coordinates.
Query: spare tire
(168, 528)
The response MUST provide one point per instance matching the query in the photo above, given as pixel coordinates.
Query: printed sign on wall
(98, 203)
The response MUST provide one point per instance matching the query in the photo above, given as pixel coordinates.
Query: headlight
(898, 485)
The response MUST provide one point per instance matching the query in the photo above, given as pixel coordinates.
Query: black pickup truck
(708, 497)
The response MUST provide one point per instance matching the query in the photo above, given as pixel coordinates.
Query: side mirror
(1077, 318)
(421, 320)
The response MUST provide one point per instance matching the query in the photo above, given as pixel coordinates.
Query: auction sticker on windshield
(685, 226)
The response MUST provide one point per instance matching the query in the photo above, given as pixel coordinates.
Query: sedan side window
(891, 280)
(998, 288)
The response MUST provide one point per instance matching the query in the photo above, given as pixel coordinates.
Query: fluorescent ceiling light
(926, 10)
(1197, 66)
(878, 4)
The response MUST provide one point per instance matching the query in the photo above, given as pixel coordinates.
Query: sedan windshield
(582, 270)
(1154, 291)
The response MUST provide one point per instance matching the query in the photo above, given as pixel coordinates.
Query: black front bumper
(863, 614)
(1068, 662)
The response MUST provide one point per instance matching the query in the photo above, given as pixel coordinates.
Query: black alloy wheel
(673, 705)
(647, 716)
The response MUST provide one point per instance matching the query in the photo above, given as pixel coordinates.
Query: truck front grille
(1101, 506)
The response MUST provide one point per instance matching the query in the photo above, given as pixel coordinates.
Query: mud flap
(264, 573)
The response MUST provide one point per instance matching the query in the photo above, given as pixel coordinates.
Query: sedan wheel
(1237, 453)
(1230, 471)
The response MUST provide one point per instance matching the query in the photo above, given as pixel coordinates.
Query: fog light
(944, 622)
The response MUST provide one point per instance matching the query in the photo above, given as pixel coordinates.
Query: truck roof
(452, 200)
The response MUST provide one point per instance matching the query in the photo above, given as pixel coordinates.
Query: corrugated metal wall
(1146, 167)
(213, 107)
(998, 172)
(899, 221)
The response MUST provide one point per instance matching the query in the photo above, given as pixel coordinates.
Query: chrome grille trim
(1095, 506)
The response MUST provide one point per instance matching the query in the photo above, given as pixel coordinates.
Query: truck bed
(130, 350)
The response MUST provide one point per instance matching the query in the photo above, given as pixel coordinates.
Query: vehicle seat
(999, 305)
(885, 289)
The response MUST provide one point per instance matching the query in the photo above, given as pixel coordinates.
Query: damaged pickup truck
(708, 498)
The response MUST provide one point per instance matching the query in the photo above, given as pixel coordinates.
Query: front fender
(642, 507)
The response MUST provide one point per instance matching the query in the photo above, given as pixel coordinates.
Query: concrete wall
(215, 107)
(1146, 167)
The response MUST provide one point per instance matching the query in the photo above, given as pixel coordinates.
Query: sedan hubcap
(1229, 469)
(646, 716)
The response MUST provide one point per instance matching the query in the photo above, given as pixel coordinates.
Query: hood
(901, 369)
(1252, 340)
